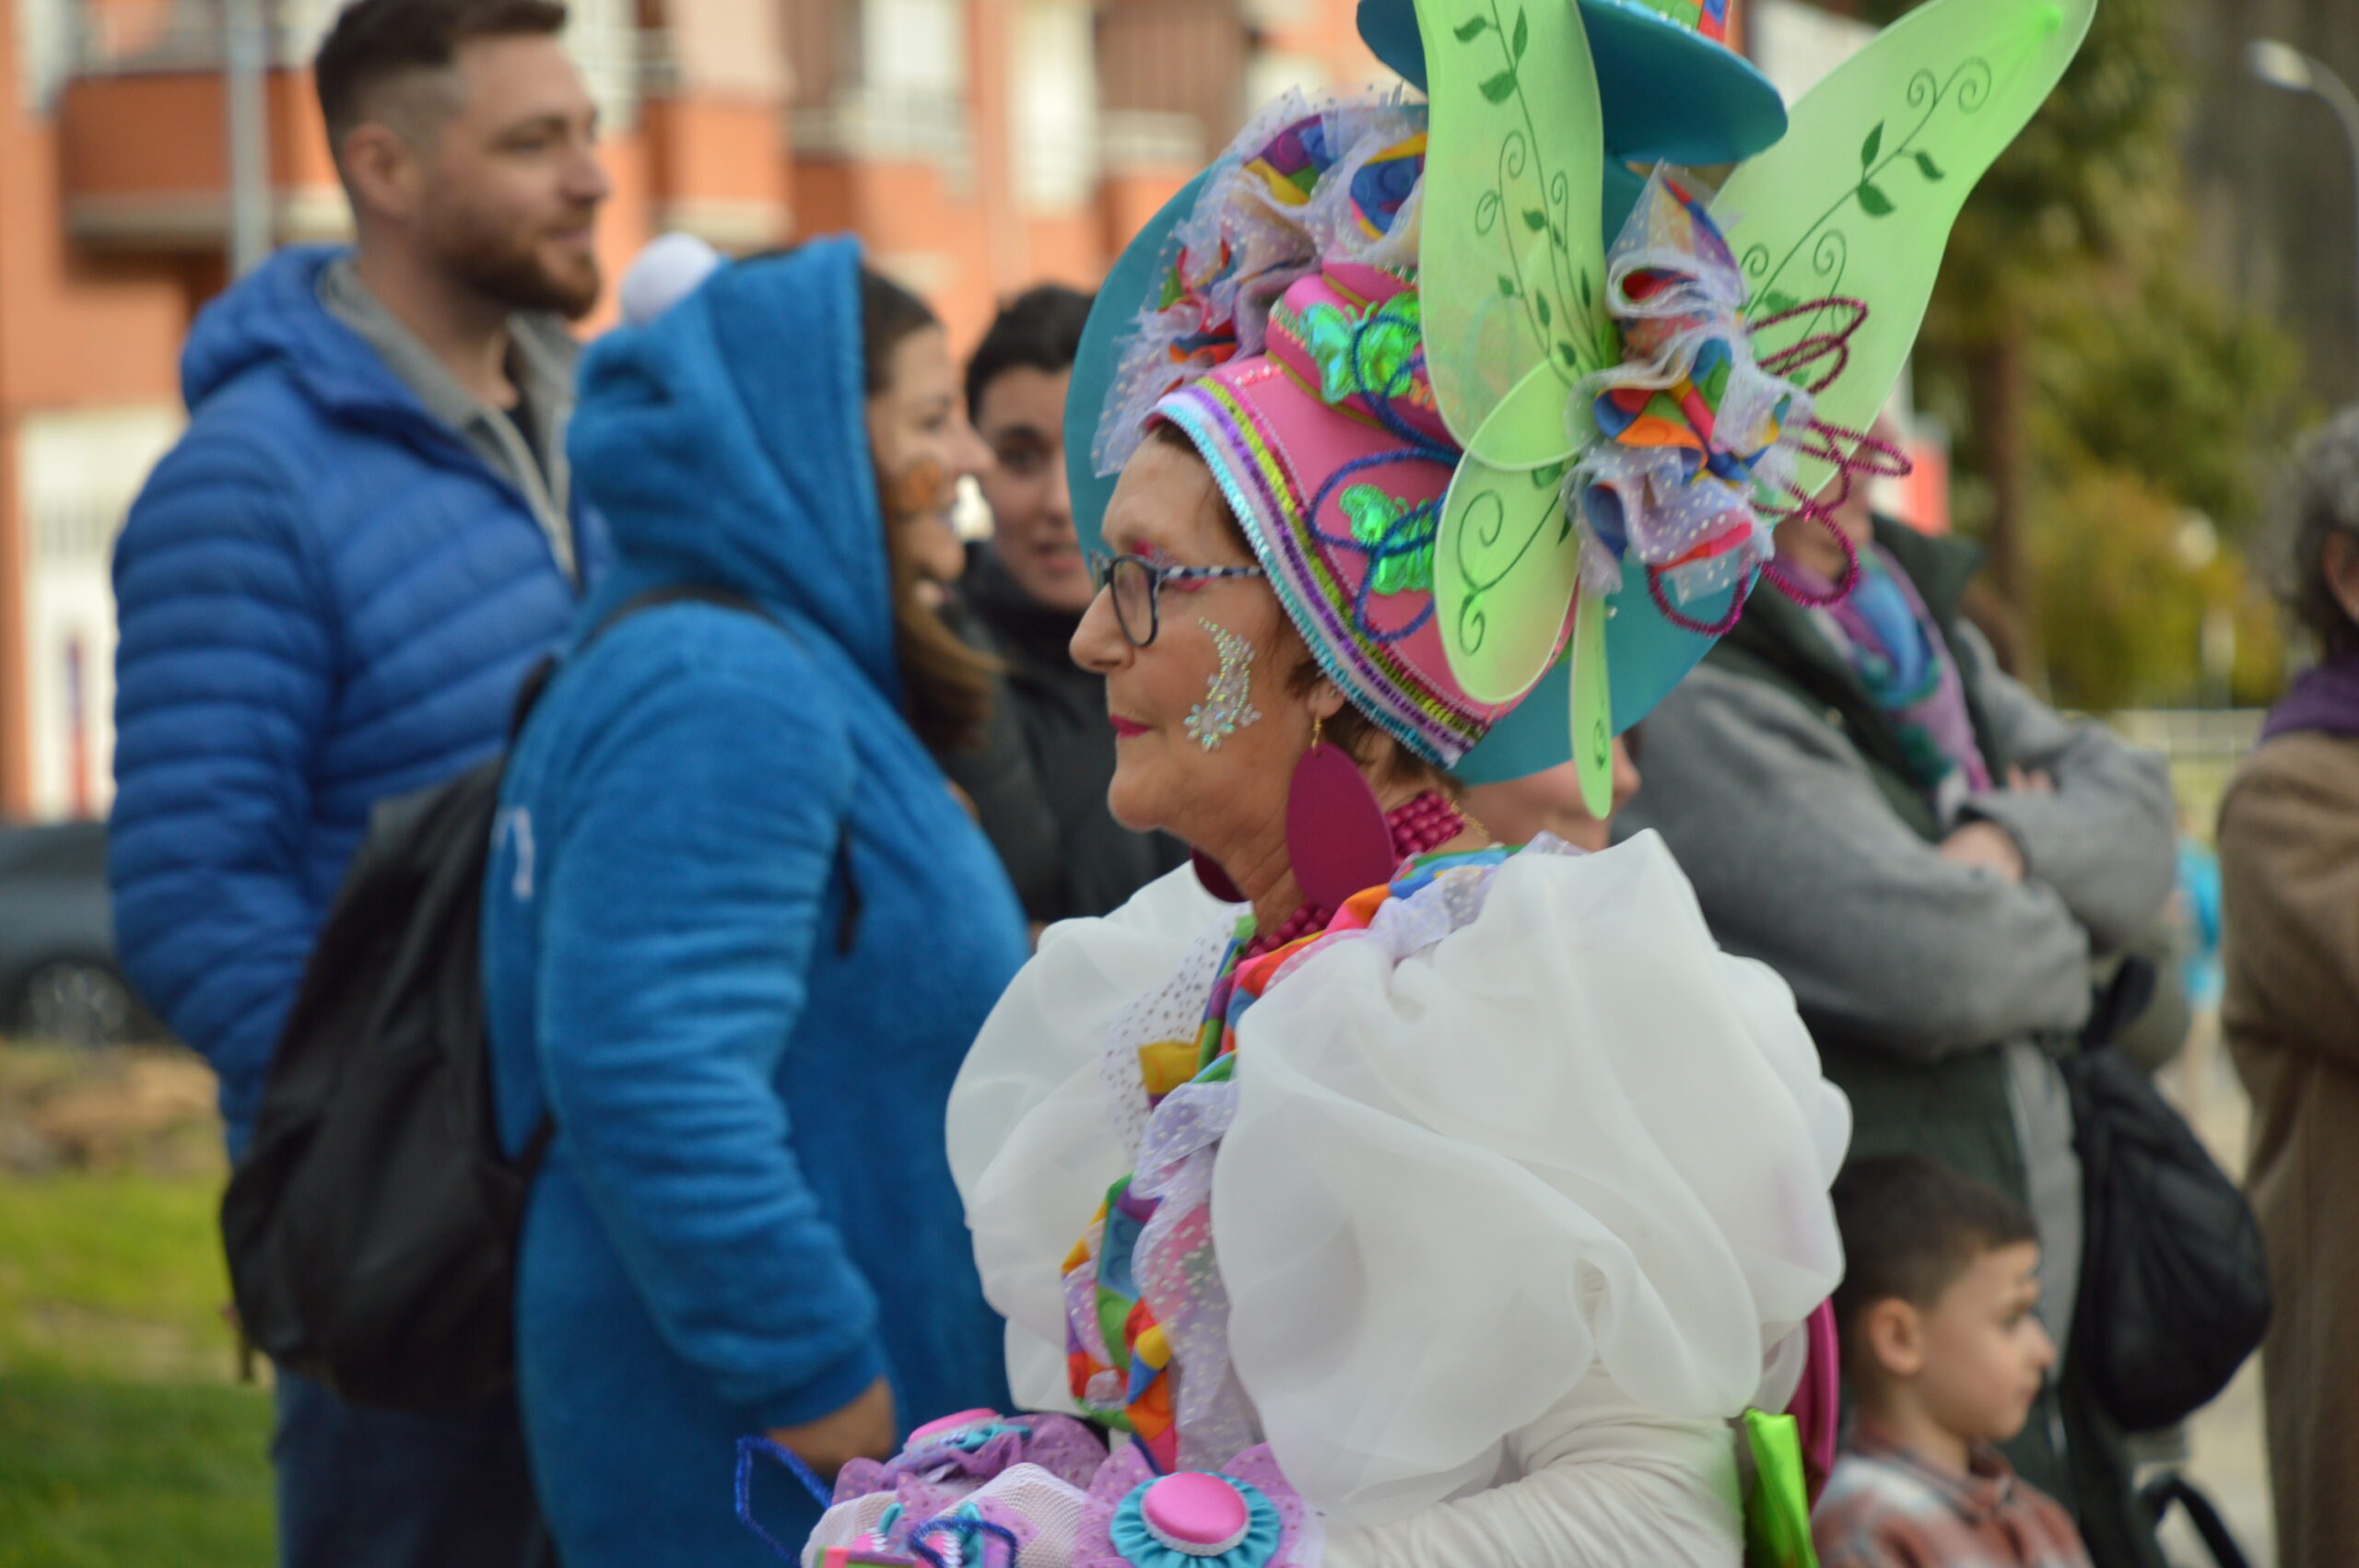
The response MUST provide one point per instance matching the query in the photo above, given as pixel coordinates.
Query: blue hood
(726, 444)
(276, 316)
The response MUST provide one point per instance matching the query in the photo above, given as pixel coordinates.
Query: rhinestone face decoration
(1228, 704)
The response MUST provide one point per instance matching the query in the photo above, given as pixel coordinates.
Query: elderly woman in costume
(1385, 1195)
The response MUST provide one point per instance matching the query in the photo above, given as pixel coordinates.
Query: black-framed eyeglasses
(1138, 584)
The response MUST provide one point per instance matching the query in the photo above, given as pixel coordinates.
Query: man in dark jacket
(1936, 862)
(328, 593)
(1025, 591)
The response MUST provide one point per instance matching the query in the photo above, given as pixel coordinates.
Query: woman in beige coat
(2289, 857)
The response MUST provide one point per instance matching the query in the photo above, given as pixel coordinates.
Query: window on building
(1056, 104)
(880, 78)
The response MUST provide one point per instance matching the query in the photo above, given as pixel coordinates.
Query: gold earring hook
(1318, 729)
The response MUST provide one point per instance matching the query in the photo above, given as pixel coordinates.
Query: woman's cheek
(1138, 787)
(917, 489)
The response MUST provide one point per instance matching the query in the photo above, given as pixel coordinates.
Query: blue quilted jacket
(325, 598)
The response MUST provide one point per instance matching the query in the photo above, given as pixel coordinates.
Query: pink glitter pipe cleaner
(1823, 357)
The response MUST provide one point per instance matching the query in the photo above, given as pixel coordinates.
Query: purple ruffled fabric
(946, 1507)
(1068, 1449)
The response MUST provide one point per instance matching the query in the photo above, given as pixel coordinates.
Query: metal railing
(1145, 138)
(127, 38)
(139, 37)
(2203, 746)
(886, 123)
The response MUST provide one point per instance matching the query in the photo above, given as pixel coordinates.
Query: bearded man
(328, 595)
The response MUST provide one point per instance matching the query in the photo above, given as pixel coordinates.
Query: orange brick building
(977, 145)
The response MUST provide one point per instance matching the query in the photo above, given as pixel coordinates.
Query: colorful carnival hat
(1512, 476)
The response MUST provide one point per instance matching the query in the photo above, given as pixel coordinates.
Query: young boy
(1945, 1358)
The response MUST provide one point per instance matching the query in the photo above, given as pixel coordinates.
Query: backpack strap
(2157, 1498)
(536, 1149)
(536, 681)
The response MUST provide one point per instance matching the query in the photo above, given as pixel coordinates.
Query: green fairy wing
(1511, 266)
(1858, 200)
(1510, 257)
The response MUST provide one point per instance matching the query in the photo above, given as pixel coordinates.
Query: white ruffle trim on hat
(1570, 1134)
(1242, 247)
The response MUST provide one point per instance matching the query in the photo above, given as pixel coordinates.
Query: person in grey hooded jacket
(1938, 864)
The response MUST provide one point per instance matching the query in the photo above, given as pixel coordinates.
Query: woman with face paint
(923, 446)
(738, 930)
(1387, 1197)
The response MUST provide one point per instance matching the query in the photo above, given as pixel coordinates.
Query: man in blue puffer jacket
(329, 592)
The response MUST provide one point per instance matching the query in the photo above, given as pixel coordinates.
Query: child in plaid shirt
(1945, 1356)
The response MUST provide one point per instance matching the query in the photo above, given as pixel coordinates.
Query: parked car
(59, 980)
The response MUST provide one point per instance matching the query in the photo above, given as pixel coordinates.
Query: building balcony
(888, 124)
(142, 124)
(143, 117)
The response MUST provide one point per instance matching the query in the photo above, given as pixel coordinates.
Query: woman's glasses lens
(1132, 581)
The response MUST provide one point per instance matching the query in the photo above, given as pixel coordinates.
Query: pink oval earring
(1336, 838)
(1213, 880)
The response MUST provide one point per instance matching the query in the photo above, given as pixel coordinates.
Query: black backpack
(371, 1225)
(2174, 1292)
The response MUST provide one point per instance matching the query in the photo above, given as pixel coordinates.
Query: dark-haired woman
(739, 931)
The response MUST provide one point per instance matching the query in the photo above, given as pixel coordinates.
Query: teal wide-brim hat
(1671, 89)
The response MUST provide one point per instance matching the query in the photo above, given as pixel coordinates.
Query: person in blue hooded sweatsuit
(739, 933)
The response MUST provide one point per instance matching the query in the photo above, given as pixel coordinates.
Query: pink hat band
(1332, 452)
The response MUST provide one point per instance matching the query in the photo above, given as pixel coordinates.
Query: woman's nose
(1098, 645)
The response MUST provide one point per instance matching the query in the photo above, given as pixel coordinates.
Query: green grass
(96, 1473)
(124, 1438)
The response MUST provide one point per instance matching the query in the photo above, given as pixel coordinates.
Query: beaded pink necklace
(1418, 826)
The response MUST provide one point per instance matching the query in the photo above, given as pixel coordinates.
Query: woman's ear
(1893, 1332)
(2341, 558)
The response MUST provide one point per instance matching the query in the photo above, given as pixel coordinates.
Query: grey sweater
(1800, 860)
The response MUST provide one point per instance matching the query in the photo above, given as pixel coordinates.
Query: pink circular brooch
(1196, 1513)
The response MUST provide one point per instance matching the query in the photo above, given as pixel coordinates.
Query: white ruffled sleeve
(1602, 1483)
(1032, 1145)
(1571, 1134)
